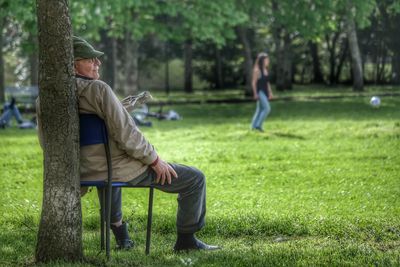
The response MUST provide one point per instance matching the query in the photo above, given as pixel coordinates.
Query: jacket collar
(83, 77)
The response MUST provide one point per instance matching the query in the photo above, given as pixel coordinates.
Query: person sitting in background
(10, 110)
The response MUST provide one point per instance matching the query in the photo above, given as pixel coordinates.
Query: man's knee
(200, 177)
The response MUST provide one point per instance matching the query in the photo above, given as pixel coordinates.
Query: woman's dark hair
(261, 62)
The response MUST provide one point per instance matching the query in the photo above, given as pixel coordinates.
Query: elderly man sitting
(134, 159)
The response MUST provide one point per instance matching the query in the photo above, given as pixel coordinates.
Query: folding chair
(93, 131)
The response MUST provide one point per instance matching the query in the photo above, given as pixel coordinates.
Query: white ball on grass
(375, 101)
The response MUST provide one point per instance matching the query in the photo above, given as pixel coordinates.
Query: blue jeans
(262, 111)
(8, 113)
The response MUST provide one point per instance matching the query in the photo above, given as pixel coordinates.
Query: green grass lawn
(320, 187)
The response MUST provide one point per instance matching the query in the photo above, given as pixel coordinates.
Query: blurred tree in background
(189, 45)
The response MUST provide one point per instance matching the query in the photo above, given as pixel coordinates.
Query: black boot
(187, 242)
(122, 236)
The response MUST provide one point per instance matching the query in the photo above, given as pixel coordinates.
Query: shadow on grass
(288, 135)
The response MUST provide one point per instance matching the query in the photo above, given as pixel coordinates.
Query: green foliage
(319, 187)
(308, 18)
(360, 10)
(203, 20)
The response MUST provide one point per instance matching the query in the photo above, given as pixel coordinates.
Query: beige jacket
(131, 153)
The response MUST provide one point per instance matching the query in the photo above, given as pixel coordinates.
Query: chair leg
(149, 220)
(108, 221)
(102, 216)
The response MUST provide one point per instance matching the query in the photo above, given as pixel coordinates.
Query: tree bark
(60, 229)
(2, 81)
(318, 77)
(188, 73)
(248, 61)
(356, 65)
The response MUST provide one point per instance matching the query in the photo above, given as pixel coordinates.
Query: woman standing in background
(261, 91)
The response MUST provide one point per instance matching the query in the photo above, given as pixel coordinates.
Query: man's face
(88, 67)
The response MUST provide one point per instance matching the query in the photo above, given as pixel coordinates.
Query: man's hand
(164, 172)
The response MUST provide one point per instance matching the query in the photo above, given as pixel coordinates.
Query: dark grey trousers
(191, 189)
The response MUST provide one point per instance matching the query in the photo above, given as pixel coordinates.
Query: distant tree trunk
(248, 61)
(60, 228)
(131, 65)
(2, 81)
(331, 44)
(395, 79)
(34, 59)
(109, 60)
(391, 28)
(166, 59)
(219, 80)
(34, 68)
(318, 77)
(380, 65)
(356, 65)
(287, 63)
(342, 58)
(284, 61)
(188, 75)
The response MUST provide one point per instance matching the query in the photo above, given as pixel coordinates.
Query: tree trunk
(188, 83)
(332, 56)
(396, 68)
(287, 63)
(343, 55)
(284, 61)
(131, 65)
(2, 81)
(318, 76)
(60, 229)
(219, 81)
(34, 67)
(248, 61)
(391, 28)
(356, 65)
(166, 58)
(109, 60)
(381, 66)
(34, 60)
(280, 82)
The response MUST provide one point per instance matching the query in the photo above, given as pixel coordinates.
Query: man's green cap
(83, 50)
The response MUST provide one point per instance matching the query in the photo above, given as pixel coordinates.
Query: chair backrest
(92, 130)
